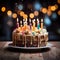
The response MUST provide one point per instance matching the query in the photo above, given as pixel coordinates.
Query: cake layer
(29, 40)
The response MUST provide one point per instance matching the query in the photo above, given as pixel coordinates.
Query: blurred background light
(49, 7)
(47, 21)
(14, 15)
(58, 1)
(20, 7)
(31, 15)
(3, 9)
(53, 8)
(25, 16)
(49, 12)
(44, 10)
(56, 6)
(37, 6)
(36, 13)
(58, 12)
(9, 12)
(54, 16)
(21, 13)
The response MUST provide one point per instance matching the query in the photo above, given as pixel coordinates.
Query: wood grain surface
(12, 54)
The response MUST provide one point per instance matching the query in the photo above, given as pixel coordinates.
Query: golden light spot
(21, 13)
(58, 1)
(53, 8)
(3, 9)
(58, 12)
(36, 13)
(14, 15)
(44, 10)
(25, 16)
(31, 15)
(9, 13)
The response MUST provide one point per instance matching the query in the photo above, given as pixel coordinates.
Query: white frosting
(43, 31)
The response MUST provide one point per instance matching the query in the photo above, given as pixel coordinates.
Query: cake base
(49, 45)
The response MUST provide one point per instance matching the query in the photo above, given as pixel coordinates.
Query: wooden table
(52, 54)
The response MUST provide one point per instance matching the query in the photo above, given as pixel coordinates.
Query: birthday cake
(30, 35)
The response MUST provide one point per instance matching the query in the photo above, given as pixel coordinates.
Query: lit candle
(23, 20)
(38, 25)
(25, 25)
(17, 23)
(21, 23)
(41, 23)
(34, 25)
(26, 19)
(30, 24)
(17, 20)
(29, 20)
(34, 20)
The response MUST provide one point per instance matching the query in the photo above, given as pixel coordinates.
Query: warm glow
(14, 15)
(56, 6)
(58, 1)
(21, 13)
(36, 13)
(58, 12)
(25, 16)
(53, 8)
(31, 15)
(49, 7)
(49, 13)
(9, 13)
(3, 9)
(44, 10)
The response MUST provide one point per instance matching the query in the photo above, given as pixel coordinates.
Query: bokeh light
(53, 8)
(56, 6)
(9, 12)
(54, 16)
(36, 13)
(20, 7)
(44, 10)
(58, 12)
(31, 15)
(3, 9)
(47, 21)
(37, 6)
(58, 1)
(25, 16)
(14, 15)
(21, 13)
(49, 13)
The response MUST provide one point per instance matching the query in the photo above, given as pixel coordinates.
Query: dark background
(6, 29)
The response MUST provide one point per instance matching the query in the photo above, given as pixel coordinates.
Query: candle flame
(41, 20)
(17, 20)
